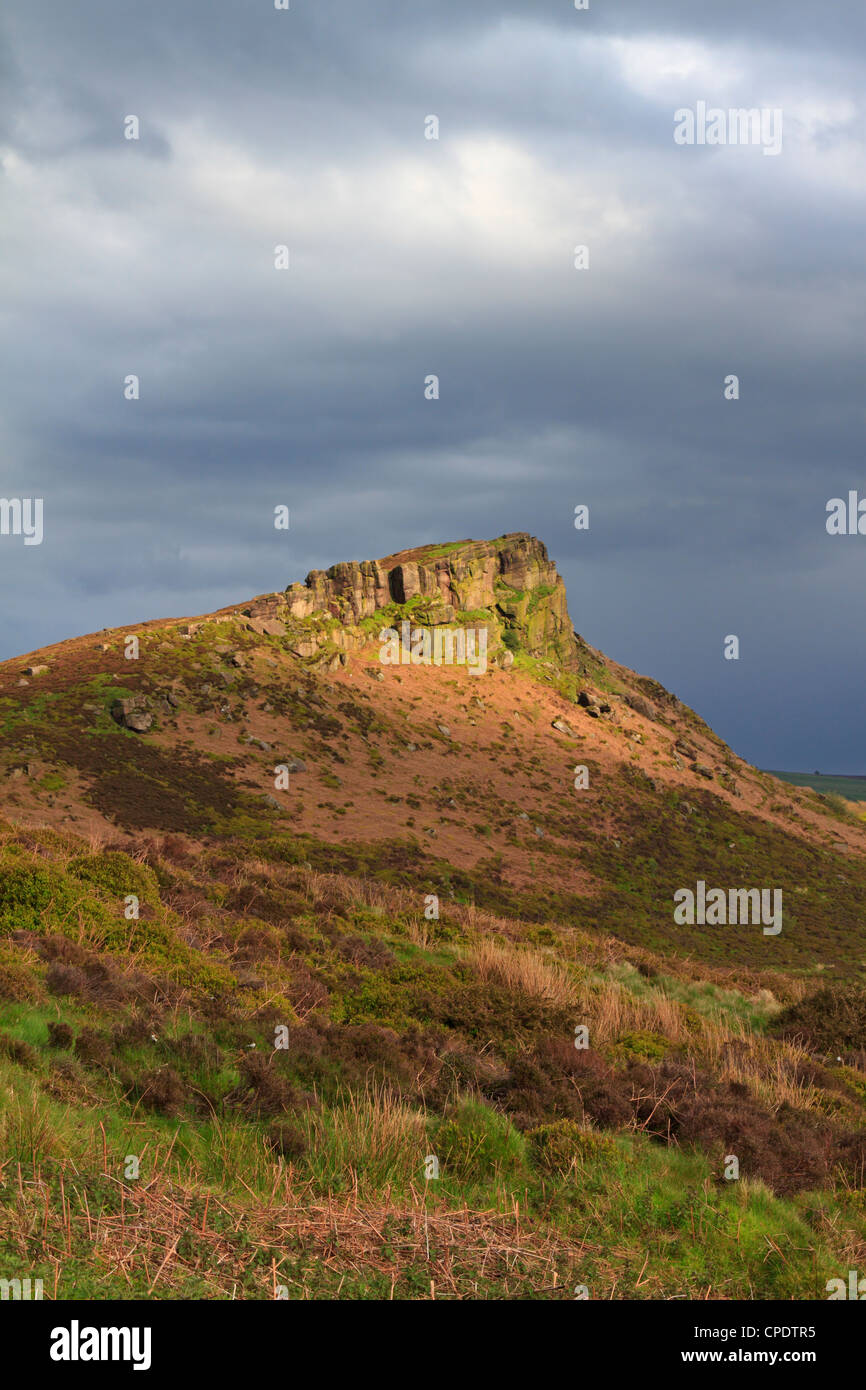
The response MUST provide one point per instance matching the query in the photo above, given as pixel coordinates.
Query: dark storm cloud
(409, 257)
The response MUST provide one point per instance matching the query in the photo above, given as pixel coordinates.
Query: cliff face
(508, 585)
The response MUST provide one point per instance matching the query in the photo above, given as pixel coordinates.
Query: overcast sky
(411, 256)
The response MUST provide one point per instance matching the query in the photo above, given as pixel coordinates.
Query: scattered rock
(702, 770)
(296, 765)
(271, 801)
(506, 660)
(267, 627)
(562, 727)
(133, 714)
(374, 673)
(444, 730)
(35, 670)
(304, 647)
(641, 706)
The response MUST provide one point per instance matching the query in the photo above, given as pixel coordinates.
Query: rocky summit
(363, 974)
(509, 586)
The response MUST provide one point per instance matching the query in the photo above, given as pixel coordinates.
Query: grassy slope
(305, 1167)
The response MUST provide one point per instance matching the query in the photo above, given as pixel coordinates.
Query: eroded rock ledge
(509, 585)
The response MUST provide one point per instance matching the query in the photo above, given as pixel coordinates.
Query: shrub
(162, 1090)
(831, 1020)
(60, 1035)
(29, 894)
(286, 1140)
(116, 874)
(562, 1145)
(650, 1046)
(478, 1144)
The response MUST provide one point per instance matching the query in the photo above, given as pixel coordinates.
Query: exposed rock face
(508, 584)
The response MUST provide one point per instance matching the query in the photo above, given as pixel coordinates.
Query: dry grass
(617, 1011)
(368, 1140)
(164, 1234)
(770, 1069)
(524, 971)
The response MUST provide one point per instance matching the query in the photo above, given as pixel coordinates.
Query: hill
(299, 937)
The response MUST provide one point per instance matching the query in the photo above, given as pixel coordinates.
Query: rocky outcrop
(509, 585)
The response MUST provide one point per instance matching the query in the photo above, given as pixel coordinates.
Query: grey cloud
(411, 257)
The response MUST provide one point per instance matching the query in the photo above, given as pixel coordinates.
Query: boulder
(304, 647)
(641, 706)
(267, 627)
(133, 714)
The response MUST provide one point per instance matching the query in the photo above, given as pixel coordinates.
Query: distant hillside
(853, 788)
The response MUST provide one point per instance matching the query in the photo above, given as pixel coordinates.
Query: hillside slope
(283, 923)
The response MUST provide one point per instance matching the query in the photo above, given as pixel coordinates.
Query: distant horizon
(808, 778)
